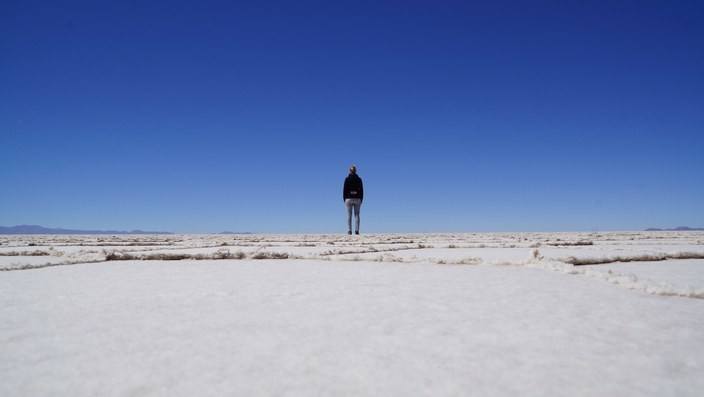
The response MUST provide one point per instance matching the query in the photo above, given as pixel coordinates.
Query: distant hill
(677, 229)
(36, 229)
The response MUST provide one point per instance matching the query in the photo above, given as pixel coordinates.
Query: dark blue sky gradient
(211, 116)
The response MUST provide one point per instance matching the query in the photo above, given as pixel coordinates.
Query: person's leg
(348, 204)
(357, 208)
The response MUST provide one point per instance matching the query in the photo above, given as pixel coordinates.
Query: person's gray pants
(353, 204)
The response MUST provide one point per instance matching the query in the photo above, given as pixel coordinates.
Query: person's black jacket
(353, 187)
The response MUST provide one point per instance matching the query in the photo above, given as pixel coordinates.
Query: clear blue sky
(211, 116)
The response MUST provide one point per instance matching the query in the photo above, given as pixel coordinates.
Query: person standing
(352, 195)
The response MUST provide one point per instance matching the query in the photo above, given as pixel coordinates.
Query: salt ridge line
(221, 254)
(628, 281)
(344, 255)
(651, 257)
(28, 253)
(75, 259)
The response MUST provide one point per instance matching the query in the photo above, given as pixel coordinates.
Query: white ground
(497, 314)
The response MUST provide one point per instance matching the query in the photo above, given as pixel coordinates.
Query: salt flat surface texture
(421, 314)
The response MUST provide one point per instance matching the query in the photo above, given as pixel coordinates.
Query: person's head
(353, 169)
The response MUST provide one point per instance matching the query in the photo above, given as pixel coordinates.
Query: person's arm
(361, 190)
(344, 190)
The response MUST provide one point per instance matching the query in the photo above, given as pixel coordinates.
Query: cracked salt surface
(510, 323)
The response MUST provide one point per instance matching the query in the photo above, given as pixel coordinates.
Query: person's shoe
(357, 232)
(349, 232)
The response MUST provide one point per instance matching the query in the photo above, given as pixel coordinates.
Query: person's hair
(353, 169)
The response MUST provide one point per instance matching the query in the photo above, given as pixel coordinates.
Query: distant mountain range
(36, 229)
(677, 229)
